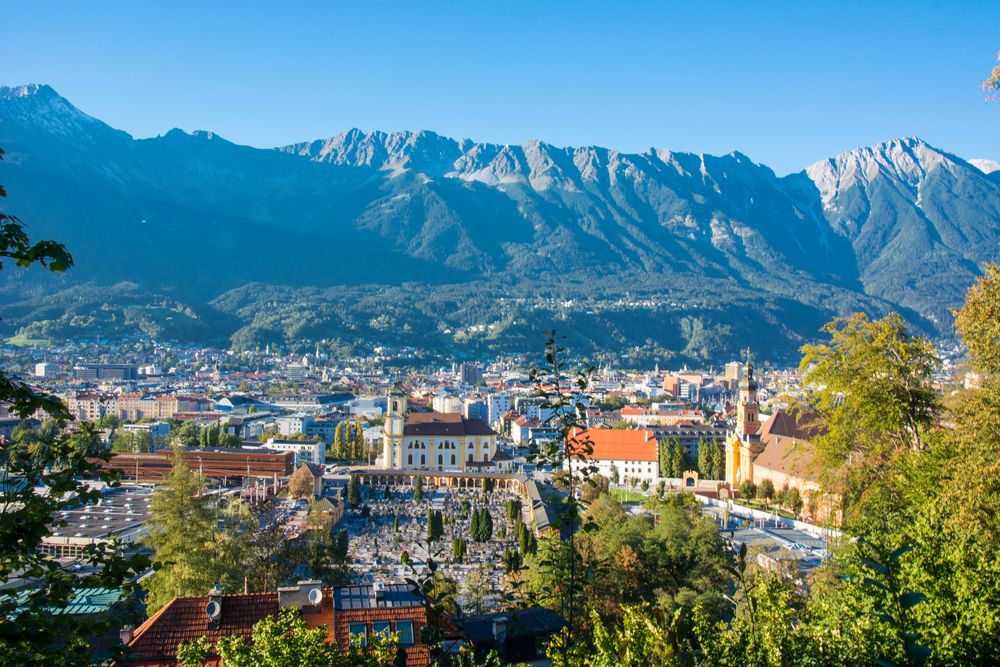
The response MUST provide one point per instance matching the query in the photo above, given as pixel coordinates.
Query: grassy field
(21, 341)
(624, 496)
(758, 505)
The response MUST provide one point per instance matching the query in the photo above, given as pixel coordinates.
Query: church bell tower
(395, 419)
(747, 411)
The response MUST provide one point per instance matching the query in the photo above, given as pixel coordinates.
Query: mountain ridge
(899, 225)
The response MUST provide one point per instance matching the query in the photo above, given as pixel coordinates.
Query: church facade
(440, 441)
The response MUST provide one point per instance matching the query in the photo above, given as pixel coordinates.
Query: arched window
(409, 459)
(470, 457)
(440, 459)
(453, 459)
(423, 460)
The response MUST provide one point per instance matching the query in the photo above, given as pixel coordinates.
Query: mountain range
(463, 246)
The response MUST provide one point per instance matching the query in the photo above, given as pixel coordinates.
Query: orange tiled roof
(615, 444)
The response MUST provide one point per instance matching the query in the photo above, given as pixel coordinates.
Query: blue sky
(786, 83)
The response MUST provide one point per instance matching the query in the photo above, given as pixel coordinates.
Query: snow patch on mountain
(985, 166)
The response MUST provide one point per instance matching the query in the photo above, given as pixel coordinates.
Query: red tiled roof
(788, 450)
(444, 423)
(154, 643)
(184, 620)
(615, 444)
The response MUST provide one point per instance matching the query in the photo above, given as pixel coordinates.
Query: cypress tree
(719, 458)
(359, 439)
(705, 461)
(338, 441)
(353, 491)
(474, 527)
(486, 525)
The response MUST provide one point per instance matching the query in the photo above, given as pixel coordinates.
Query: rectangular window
(359, 630)
(405, 631)
(380, 627)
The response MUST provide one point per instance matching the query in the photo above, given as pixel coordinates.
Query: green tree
(300, 484)
(418, 490)
(285, 641)
(360, 447)
(873, 389)
(719, 462)
(187, 435)
(706, 464)
(679, 462)
(32, 629)
(765, 490)
(337, 449)
(793, 500)
(748, 489)
(183, 534)
(476, 592)
(665, 453)
(353, 492)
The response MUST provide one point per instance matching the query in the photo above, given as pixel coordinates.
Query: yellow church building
(441, 441)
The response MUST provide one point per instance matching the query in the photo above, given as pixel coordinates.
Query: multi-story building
(446, 402)
(86, 406)
(107, 372)
(692, 435)
(470, 374)
(159, 432)
(619, 453)
(305, 451)
(496, 406)
(475, 408)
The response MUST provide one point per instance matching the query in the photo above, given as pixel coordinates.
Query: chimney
(305, 596)
(214, 607)
(500, 629)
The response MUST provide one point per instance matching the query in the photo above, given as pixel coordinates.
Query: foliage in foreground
(919, 477)
(56, 458)
(285, 641)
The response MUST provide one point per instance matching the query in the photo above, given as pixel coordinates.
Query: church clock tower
(747, 411)
(743, 445)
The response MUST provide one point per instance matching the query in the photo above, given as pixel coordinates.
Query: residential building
(496, 406)
(690, 435)
(46, 370)
(619, 453)
(475, 408)
(344, 613)
(305, 451)
(446, 402)
(159, 432)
